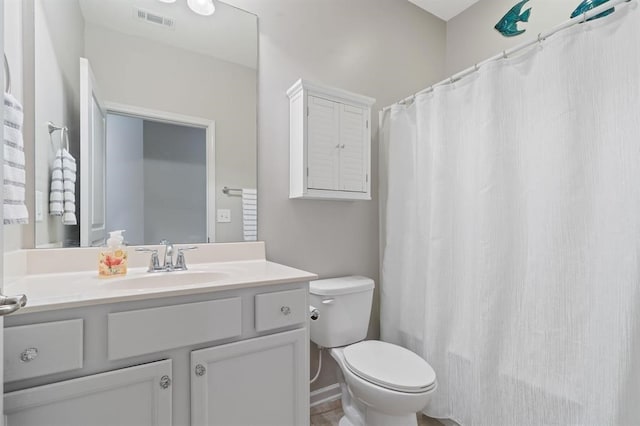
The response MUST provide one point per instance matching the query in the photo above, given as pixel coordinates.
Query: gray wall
(59, 42)
(471, 37)
(59, 38)
(125, 177)
(175, 183)
(386, 49)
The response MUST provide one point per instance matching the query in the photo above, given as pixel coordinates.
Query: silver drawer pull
(285, 310)
(29, 354)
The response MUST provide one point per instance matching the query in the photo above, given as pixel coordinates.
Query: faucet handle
(154, 263)
(181, 263)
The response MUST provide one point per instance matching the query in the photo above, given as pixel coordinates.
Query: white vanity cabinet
(236, 357)
(330, 143)
(259, 381)
(138, 396)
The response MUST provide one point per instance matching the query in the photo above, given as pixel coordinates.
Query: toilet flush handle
(327, 301)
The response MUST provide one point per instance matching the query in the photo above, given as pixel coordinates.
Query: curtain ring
(476, 67)
(540, 38)
(504, 54)
(584, 17)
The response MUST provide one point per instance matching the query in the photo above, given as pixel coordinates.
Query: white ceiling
(444, 9)
(229, 34)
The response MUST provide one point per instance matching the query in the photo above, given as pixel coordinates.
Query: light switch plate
(39, 212)
(223, 216)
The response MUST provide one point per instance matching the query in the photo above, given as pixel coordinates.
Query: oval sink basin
(168, 279)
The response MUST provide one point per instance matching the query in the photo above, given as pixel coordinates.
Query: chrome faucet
(168, 265)
(168, 256)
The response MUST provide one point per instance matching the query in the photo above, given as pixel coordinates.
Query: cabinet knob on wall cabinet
(29, 354)
(200, 370)
(285, 310)
(165, 382)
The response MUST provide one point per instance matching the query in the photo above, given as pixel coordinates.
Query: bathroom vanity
(223, 343)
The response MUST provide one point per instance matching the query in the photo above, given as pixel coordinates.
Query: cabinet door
(323, 133)
(353, 152)
(262, 381)
(132, 396)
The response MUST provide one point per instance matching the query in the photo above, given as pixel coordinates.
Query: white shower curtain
(511, 232)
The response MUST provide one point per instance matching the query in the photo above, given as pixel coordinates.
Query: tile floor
(329, 414)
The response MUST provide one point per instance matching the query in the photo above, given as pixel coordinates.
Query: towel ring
(7, 75)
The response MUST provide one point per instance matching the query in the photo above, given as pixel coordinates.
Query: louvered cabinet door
(329, 143)
(353, 149)
(323, 133)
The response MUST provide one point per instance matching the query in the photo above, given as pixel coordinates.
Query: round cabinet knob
(29, 355)
(200, 370)
(165, 382)
(285, 310)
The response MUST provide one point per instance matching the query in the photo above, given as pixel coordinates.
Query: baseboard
(326, 394)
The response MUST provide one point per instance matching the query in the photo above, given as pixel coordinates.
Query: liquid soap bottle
(112, 260)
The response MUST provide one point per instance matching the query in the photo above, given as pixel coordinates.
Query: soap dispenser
(113, 258)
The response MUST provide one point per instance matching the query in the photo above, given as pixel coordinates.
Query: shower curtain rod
(506, 53)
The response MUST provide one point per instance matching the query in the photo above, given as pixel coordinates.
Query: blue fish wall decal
(587, 5)
(508, 25)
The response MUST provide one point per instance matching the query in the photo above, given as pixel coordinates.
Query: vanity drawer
(146, 331)
(281, 309)
(38, 349)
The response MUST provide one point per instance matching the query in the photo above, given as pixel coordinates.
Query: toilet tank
(345, 307)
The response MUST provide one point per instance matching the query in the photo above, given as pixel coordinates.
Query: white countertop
(52, 291)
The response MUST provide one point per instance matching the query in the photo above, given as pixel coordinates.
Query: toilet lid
(390, 366)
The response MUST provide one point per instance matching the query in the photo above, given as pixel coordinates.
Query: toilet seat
(389, 366)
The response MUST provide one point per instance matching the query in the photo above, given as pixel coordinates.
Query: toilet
(382, 384)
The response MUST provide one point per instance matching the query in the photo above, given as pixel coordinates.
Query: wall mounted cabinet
(330, 143)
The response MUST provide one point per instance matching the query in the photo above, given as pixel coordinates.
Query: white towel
(14, 208)
(250, 214)
(62, 199)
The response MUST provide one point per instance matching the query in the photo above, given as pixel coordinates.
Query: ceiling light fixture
(202, 7)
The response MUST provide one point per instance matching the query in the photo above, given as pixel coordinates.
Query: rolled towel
(56, 195)
(69, 180)
(62, 199)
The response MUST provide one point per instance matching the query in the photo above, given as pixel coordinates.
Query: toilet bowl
(393, 402)
(382, 383)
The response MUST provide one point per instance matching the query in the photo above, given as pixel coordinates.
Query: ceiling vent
(154, 18)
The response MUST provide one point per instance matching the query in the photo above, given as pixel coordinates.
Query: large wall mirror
(160, 107)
